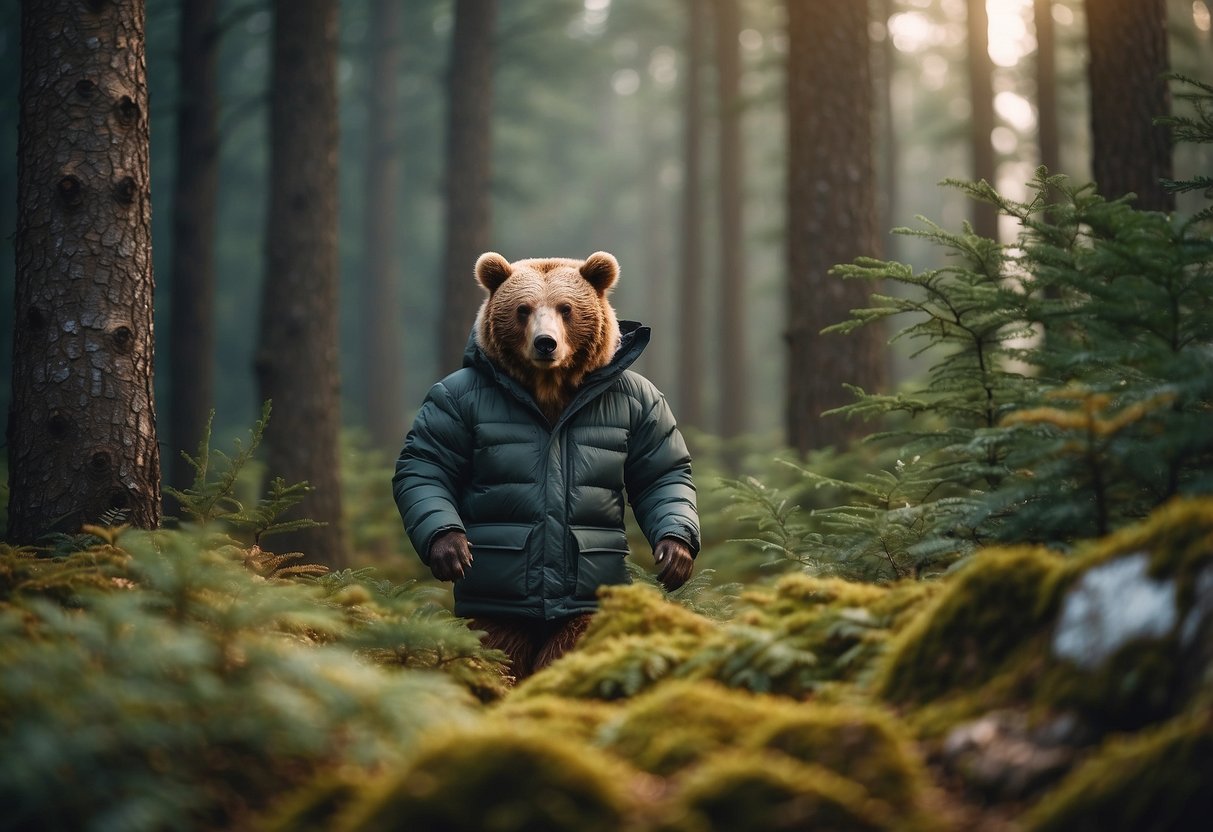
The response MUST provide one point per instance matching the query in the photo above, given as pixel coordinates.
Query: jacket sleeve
(432, 470)
(657, 476)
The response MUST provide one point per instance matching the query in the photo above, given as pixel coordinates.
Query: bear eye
(524, 311)
(565, 309)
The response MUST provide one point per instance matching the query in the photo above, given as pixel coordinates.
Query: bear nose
(545, 344)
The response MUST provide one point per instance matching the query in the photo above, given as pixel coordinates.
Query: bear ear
(601, 270)
(492, 270)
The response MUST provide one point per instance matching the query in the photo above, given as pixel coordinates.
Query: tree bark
(981, 99)
(690, 288)
(1128, 49)
(296, 364)
(734, 395)
(82, 426)
(831, 216)
(1047, 125)
(468, 172)
(888, 194)
(382, 335)
(191, 324)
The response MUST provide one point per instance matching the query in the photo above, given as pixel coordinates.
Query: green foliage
(180, 689)
(1069, 391)
(1196, 128)
(405, 625)
(213, 499)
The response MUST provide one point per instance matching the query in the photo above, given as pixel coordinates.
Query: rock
(1111, 605)
(1004, 758)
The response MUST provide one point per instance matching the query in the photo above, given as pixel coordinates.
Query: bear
(512, 479)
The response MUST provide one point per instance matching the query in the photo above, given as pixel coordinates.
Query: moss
(637, 610)
(966, 635)
(499, 780)
(860, 743)
(614, 669)
(314, 807)
(577, 718)
(681, 722)
(1156, 780)
(1137, 686)
(757, 792)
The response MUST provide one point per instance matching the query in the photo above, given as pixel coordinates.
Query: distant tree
(296, 361)
(734, 396)
(382, 336)
(831, 216)
(690, 288)
(191, 338)
(885, 71)
(82, 425)
(981, 98)
(1048, 128)
(1128, 47)
(468, 172)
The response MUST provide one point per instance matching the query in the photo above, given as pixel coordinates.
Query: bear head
(547, 322)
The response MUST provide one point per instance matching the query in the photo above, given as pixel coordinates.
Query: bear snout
(545, 332)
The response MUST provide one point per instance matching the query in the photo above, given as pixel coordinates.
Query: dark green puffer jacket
(543, 505)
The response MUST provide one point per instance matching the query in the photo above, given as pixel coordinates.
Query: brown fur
(531, 645)
(566, 299)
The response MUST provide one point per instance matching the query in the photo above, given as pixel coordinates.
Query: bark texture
(296, 364)
(468, 173)
(1128, 48)
(82, 427)
(382, 334)
(734, 394)
(831, 217)
(690, 283)
(981, 99)
(191, 325)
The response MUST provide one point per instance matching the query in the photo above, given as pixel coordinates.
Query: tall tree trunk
(297, 366)
(981, 98)
(468, 172)
(1048, 127)
(382, 336)
(690, 288)
(191, 325)
(82, 426)
(885, 70)
(734, 396)
(1128, 47)
(831, 216)
(655, 217)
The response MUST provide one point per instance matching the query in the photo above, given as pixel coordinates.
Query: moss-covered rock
(1157, 780)
(863, 744)
(637, 610)
(613, 668)
(557, 715)
(965, 636)
(499, 780)
(764, 792)
(680, 723)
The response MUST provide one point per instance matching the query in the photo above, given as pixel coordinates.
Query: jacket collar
(634, 337)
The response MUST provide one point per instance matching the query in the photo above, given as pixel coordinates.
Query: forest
(930, 290)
